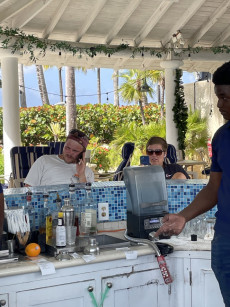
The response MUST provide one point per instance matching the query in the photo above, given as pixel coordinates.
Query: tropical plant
(131, 89)
(158, 76)
(99, 155)
(136, 134)
(197, 134)
(57, 130)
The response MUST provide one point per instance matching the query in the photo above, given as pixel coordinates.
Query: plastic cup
(71, 235)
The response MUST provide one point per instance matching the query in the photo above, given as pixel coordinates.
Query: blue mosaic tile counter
(180, 194)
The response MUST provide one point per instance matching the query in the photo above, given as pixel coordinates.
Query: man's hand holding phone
(80, 167)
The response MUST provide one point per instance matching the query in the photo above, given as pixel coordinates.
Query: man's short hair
(157, 140)
(222, 75)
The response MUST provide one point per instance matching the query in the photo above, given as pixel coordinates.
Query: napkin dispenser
(147, 200)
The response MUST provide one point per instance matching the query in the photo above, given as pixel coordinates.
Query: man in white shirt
(68, 167)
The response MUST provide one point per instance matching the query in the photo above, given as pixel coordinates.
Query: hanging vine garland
(17, 41)
(180, 111)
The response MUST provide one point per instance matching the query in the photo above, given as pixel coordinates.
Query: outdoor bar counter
(128, 276)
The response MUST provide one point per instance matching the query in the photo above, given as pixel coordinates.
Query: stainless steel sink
(106, 241)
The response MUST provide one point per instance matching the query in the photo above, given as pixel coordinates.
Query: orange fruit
(32, 249)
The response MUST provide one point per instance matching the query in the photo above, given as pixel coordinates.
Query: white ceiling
(148, 23)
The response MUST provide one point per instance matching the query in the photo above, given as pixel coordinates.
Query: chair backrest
(171, 156)
(58, 147)
(23, 157)
(127, 151)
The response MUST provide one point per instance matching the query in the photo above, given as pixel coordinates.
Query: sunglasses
(158, 152)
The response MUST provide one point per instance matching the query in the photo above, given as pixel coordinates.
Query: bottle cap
(60, 214)
(193, 237)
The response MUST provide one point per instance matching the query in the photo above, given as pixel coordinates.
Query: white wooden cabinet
(134, 283)
(205, 288)
(68, 295)
(131, 289)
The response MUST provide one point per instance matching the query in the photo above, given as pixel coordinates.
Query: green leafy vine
(180, 110)
(17, 41)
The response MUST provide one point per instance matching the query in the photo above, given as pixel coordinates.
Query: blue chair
(22, 158)
(127, 152)
(171, 156)
(58, 147)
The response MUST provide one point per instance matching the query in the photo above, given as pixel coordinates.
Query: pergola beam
(29, 13)
(196, 4)
(90, 19)
(131, 7)
(13, 10)
(56, 17)
(209, 23)
(152, 21)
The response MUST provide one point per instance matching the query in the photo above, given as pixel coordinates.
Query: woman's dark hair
(157, 140)
(222, 75)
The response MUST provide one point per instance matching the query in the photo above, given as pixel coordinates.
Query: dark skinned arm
(205, 200)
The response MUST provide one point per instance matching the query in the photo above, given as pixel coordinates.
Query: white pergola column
(10, 104)
(171, 130)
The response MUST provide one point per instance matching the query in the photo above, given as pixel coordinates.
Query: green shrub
(96, 120)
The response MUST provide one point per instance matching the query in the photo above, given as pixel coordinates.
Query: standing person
(68, 167)
(217, 190)
(156, 149)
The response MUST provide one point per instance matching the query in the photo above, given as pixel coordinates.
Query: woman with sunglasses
(156, 149)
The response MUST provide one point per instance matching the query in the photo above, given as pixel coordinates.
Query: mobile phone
(79, 157)
(144, 160)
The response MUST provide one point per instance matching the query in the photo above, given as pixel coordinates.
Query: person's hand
(80, 166)
(173, 224)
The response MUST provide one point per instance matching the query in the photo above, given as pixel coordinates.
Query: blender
(147, 204)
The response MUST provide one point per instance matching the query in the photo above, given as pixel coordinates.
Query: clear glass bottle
(44, 212)
(55, 215)
(89, 215)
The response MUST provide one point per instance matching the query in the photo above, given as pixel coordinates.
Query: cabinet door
(136, 289)
(205, 288)
(68, 295)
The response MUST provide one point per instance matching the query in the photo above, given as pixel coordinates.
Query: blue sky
(86, 85)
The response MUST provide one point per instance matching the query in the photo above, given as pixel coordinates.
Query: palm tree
(115, 86)
(60, 83)
(71, 112)
(42, 84)
(22, 93)
(131, 89)
(99, 85)
(159, 77)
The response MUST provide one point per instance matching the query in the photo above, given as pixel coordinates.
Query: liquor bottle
(89, 215)
(60, 232)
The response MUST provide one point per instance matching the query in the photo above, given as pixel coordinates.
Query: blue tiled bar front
(180, 194)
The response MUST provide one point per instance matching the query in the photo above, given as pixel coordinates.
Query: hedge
(95, 120)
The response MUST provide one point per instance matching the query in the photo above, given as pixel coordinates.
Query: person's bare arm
(1, 212)
(179, 175)
(205, 200)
